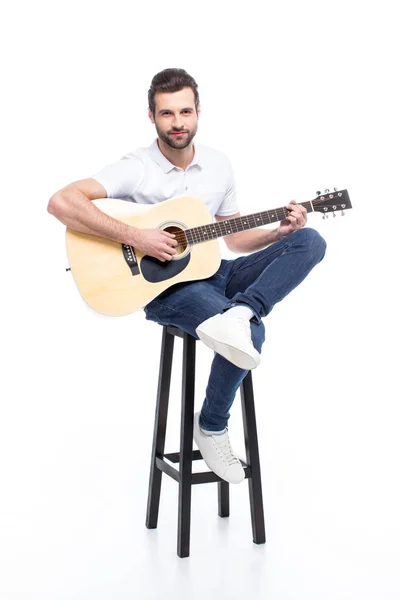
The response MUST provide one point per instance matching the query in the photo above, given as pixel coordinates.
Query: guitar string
(182, 239)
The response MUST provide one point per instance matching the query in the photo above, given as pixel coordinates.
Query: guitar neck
(196, 235)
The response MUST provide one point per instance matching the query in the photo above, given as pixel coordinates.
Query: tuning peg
(335, 189)
(343, 213)
(318, 193)
(326, 191)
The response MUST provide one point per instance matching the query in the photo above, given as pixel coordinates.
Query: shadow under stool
(186, 454)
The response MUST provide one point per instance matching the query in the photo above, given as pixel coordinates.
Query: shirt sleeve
(229, 205)
(122, 178)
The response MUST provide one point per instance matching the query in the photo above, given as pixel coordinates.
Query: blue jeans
(258, 280)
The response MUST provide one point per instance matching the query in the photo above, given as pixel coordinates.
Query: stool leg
(253, 459)
(223, 498)
(160, 425)
(186, 445)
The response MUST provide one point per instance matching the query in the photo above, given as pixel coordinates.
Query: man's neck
(178, 157)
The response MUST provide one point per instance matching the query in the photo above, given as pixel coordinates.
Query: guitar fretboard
(196, 235)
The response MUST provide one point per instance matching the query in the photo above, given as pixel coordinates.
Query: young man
(225, 310)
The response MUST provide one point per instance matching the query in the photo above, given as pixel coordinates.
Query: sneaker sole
(234, 355)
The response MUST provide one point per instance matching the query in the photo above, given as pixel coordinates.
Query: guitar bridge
(130, 258)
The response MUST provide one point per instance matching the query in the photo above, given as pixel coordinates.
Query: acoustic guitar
(117, 279)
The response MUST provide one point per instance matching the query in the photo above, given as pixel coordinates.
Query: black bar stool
(186, 455)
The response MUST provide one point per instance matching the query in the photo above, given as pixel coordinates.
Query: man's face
(175, 117)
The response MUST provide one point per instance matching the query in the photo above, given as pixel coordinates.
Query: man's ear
(151, 117)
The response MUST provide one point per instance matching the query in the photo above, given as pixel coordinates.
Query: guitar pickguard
(153, 270)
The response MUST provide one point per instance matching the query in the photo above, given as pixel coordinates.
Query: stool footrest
(174, 456)
(202, 477)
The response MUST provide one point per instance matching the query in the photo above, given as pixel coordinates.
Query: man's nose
(178, 122)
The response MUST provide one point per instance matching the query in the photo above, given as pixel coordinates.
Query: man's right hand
(155, 242)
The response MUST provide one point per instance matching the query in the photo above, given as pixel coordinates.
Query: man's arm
(251, 240)
(72, 206)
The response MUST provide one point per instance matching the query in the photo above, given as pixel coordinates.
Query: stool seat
(161, 462)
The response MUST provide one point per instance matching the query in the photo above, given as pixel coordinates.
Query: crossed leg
(186, 306)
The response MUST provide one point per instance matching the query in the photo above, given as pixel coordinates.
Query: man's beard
(178, 143)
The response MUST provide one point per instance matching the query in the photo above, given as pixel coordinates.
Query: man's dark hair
(171, 80)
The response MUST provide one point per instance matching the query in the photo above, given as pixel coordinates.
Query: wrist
(132, 235)
(278, 234)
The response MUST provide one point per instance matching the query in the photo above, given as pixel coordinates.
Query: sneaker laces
(244, 324)
(225, 451)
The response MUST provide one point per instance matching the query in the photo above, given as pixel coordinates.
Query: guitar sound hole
(179, 237)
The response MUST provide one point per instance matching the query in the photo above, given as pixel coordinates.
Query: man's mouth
(178, 133)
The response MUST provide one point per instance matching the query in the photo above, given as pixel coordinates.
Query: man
(225, 310)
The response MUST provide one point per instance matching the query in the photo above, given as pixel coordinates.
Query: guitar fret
(223, 228)
(193, 235)
(228, 226)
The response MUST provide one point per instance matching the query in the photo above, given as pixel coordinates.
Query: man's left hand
(295, 220)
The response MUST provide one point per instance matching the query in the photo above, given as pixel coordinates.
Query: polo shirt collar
(165, 164)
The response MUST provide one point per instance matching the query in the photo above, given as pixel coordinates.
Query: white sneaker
(230, 336)
(217, 453)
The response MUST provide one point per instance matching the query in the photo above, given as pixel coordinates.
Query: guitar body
(116, 280)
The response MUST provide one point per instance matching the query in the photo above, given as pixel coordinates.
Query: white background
(301, 96)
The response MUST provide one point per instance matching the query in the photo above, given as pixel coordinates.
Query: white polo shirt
(146, 176)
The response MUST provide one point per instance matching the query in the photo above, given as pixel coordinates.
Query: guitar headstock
(331, 202)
